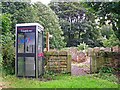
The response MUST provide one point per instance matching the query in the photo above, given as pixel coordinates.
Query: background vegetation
(96, 24)
(31, 13)
(77, 24)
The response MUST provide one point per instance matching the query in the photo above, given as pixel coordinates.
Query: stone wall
(77, 56)
(81, 56)
(104, 58)
(58, 62)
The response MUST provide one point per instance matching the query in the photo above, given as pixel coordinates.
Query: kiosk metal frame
(29, 50)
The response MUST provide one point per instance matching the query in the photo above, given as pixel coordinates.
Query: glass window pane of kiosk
(29, 50)
(30, 43)
(20, 44)
(39, 52)
(20, 65)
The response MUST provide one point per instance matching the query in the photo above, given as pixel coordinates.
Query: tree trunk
(79, 35)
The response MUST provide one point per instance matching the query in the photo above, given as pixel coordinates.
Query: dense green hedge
(8, 49)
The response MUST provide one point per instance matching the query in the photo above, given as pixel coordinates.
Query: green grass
(63, 81)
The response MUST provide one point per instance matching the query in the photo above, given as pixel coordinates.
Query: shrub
(80, 47)
(8, 49)
(8, 53)
(111, 42)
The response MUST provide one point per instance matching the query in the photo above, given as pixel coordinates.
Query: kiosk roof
(29, 24)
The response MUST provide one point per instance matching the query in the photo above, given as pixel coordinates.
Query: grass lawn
(63, 81)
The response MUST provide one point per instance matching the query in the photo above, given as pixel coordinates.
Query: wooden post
(47, 42)
(68, 62)
(83, 46)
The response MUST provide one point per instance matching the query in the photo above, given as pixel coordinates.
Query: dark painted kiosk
(29, 50)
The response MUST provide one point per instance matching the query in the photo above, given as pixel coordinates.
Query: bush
(8, 49)
(8, 53)
(80, 47)
(108, 73)
(111, 42)
(107, 76)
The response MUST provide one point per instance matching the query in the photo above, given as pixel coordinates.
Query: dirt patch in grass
(5, 84)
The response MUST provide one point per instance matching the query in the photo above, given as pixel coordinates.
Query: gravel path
(77, 71)
(80, 71)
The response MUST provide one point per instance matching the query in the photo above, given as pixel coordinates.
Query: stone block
(63, 53)
(81, 56)
(55, 53)
(96, 49)
(73, 52)
(90, 50)
(115, 49)
(107, 49)
(102, 48)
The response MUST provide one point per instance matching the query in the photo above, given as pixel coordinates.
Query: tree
(13, 8)
(39, 13)
(74, 21)
(111, 42)
(48, 19)
(91, 35)
(109, 38)
(106, 12)
(106, 30)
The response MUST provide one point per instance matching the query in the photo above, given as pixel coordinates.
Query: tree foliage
(109, 38)
(106, 12)
(106, 30)
(48, 19)
(6, 23)
(39, 13)
(76, 23)
(8, 50)
(14, 8)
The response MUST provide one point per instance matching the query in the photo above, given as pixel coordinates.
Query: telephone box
(29, 50)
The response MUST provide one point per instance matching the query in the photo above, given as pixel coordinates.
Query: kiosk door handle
(27, 48)
(32, 48)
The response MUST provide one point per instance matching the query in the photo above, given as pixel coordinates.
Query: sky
(42, 1)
